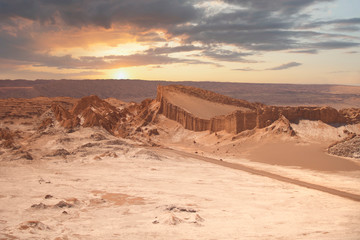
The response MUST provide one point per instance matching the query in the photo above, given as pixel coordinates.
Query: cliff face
(253, 115)
(186, 119)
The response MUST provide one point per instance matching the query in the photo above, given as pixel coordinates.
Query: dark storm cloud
(105, 13)
(260, 26)
(286, 66)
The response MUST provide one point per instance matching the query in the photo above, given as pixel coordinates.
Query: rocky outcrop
(351, 114)
(93, 111)
(268, 114)
(348, 147)
(6, 138)
(146, 112)
(281, 126)
(252, 115)
(89, 111)
(64, 117)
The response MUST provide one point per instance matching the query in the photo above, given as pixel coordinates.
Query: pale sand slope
(199, 107)
(303, 157)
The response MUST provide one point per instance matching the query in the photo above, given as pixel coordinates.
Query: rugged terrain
(95, 168)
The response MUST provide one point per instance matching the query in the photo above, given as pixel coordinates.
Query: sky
(277, 41)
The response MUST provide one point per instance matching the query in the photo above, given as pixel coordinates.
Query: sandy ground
(311, 156)
(110, 188)
(199, 107)
(259, 172)
(302, 157)
(143, 195)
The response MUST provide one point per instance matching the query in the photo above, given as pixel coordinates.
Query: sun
(121, 75)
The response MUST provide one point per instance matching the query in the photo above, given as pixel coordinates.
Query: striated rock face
(188, 120)
(93, 111)
(146, 112)
(64, 117)
(248, 116)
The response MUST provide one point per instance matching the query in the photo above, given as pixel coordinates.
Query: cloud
(340, 24)
(34, 74)
(226, 55)
(245, 69)
(105, 13)
(287, 7)
(169, 50)
(334, 45)
(110, 61)
(281, 67)
(306, 51)
(32, 30)
(286, 66)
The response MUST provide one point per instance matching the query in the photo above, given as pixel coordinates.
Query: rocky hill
(89, 111)
(250, 116)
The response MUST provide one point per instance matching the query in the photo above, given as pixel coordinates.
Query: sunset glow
(120, 75)
(239, 41)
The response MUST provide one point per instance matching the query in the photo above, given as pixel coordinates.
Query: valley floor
(111, 189)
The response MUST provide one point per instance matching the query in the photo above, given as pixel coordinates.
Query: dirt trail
(351, 196)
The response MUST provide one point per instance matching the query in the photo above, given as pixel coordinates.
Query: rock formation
(89, 111)
(6, 138)
(129, 119)
(250, 116)
(348, 147)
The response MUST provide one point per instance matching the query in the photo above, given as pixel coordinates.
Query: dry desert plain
(95, 169)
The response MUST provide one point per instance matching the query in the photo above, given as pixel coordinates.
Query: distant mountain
(337, 96)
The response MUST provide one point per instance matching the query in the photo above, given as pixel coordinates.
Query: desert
(180, 119)
(177, 166)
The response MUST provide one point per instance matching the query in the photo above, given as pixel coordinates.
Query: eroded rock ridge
(250, 116)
